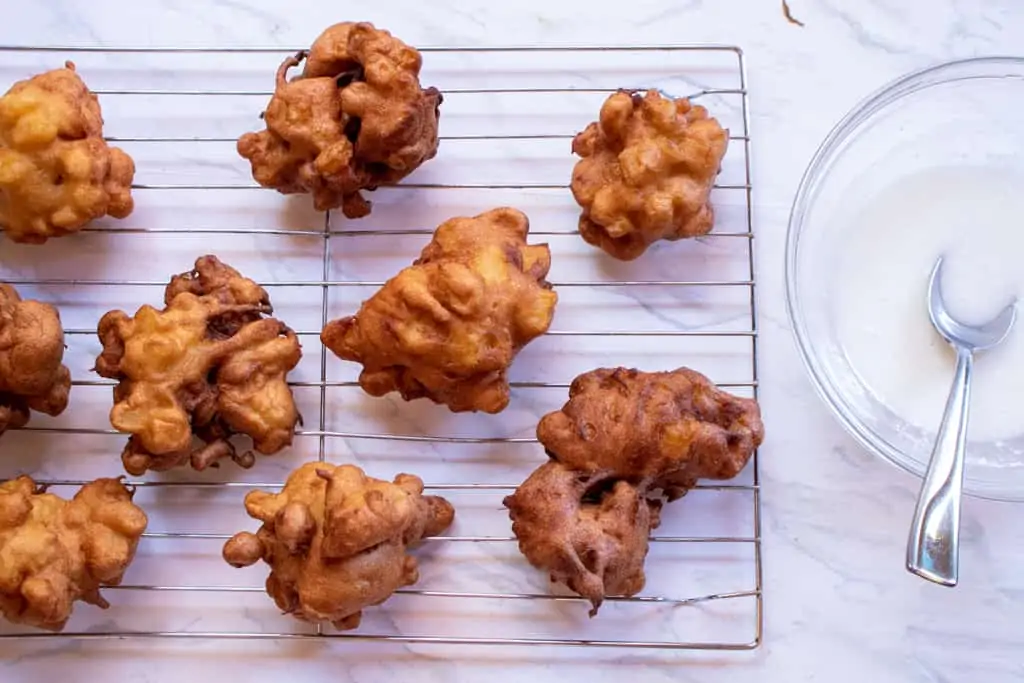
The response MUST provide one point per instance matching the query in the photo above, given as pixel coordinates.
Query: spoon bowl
(974, 337)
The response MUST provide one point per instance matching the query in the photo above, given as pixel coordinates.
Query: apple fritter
(54, 552)
(646, 171)
(625, 443)
(661, 430)
(56, 171)
(33, 376)
(448, 327)
(355, 119)
(210, 364)
(588, 530)
(337, 540)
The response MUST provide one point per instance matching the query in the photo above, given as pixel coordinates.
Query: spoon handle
(934, 545)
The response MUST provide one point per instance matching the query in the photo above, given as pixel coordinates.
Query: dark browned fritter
(33, 376)
(355, 119)
(625, 442)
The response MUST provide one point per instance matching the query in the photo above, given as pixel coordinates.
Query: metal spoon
(933, 548)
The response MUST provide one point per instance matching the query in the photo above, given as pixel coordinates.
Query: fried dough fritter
(355, 119)
(448, 327)
(32, 372)
(336, 540)
(657, 429)
(56, 171)
(54, 552)
(646, 172)
(625, 438)
(209, 364)
(589, 530)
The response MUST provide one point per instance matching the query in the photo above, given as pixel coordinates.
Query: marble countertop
(838, 604)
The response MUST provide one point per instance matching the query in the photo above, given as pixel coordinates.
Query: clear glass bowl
(965, 112)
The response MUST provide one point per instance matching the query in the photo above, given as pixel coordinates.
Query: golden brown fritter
(56, 171)
(448, 327)
(646, 172)
(625, 439)
(336, 540)
(355, 119)
(32, 373)
(54, 552)
(209, 364)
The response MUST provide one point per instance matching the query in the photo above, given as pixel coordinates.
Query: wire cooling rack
(507, 121)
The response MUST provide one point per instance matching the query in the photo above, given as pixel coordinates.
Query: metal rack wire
(323, 384)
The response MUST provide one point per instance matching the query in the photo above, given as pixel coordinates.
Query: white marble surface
(839, 606)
